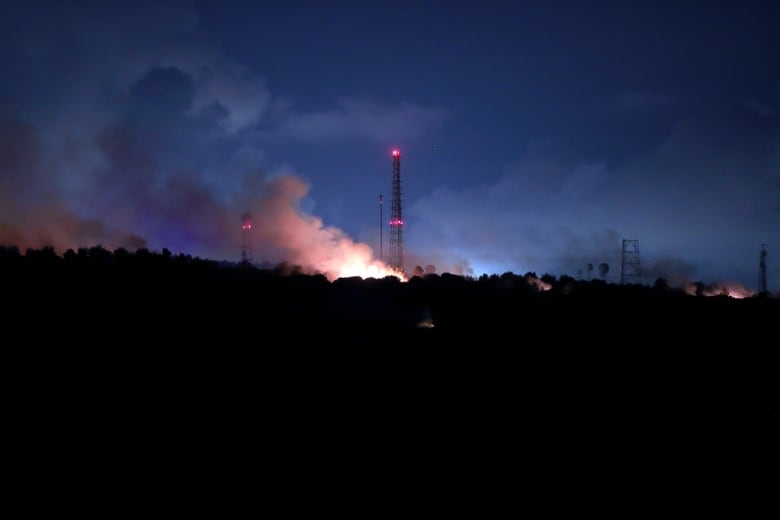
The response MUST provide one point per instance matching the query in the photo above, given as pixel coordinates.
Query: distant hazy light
(396, 153)
(396, 222)
(481, 266)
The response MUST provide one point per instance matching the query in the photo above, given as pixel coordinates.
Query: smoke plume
(152, 143)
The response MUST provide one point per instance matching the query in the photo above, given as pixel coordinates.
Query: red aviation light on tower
(396, 153)
(246, 221)
(246, 237)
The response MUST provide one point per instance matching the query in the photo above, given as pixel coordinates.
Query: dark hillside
(293, 337)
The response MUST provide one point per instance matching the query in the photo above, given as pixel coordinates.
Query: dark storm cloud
(31, 212)
(123, 114)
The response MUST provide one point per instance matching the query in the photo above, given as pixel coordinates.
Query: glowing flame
(357, 266)
(426, 324)
(541, 285)
(730, 289)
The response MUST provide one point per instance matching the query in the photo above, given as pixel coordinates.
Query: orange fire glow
(730, 289)
(358, 266)
(353, 268)
(541, 285)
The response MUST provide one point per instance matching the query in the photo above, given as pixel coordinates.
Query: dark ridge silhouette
(498, 338)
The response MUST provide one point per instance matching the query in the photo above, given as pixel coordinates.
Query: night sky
(535, 136)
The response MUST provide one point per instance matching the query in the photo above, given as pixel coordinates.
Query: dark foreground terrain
(131, 320)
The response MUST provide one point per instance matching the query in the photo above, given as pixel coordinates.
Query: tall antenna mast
(762, 270)
(396, 219)
(381, 227)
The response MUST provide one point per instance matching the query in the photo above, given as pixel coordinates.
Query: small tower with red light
(246, 237)
(396, 259)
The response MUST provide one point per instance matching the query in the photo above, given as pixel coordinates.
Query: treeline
(176, 290)
(507, 334)
(98, 261)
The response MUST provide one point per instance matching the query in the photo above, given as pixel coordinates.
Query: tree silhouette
(661, 284)
(603, 269)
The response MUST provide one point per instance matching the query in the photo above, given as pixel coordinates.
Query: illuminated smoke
(285, 230)
(136, 192)
(185, 208)
(167, 209)
(540, 285)
(730, 289)
(153, 143)
(133, 203)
